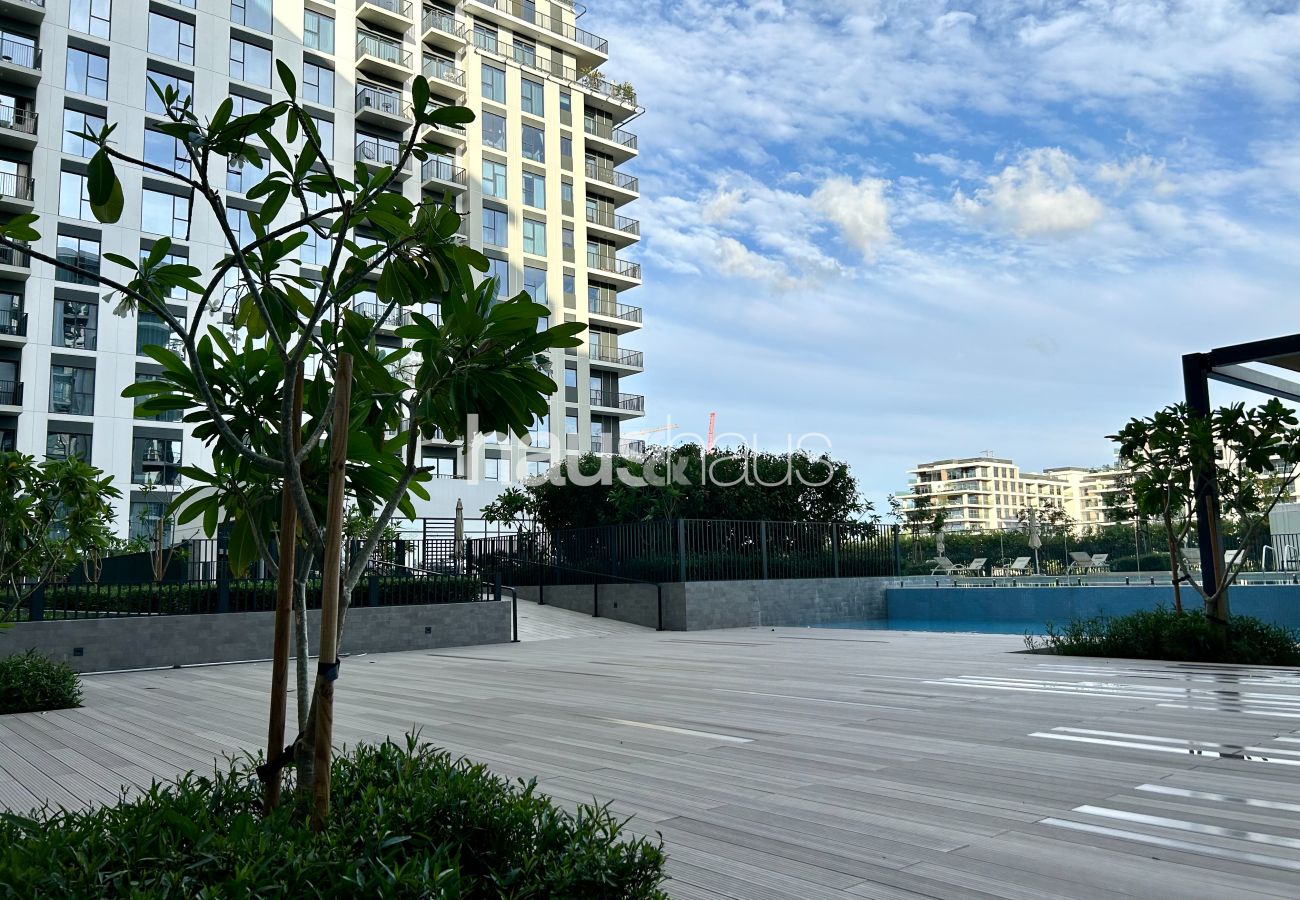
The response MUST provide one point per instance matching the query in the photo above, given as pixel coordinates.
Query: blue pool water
(960, 626)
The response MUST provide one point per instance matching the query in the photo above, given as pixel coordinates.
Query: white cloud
(1038, 195)
(1134, 171)
(858, 209)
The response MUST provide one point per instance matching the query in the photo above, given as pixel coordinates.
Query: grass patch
(30, 682)
(1165, 634)
(408, 821)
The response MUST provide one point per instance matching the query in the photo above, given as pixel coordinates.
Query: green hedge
(188, 598)
(408, 821)
(1165, 634)
(29, 682)
(1151, 562)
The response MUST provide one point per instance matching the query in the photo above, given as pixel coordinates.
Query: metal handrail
(20, 54)
(623, 267)
(439, 20)
(610, 133)
(436, 167)
(437, 67)
(373, 98)
(615, 400)
(380, 154)
(21, 187)
(11, 393)
(393, 6)
(615, 310)
(11, 256)
(616, 355)
(371, 310)
(15, 323)
(23, 120)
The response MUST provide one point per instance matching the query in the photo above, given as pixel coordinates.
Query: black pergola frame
(1230, 365)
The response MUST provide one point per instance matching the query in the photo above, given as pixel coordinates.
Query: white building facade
(538, 177)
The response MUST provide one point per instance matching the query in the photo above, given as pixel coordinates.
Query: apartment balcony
(620, 230)
(620, 143)
(522, 18)
(618, 317)
(11, 396)
(383, 108)
(621, 272)
(619, 185)
(15, 263)
(624, 406)
(616, 358)
(17, 193)
(450, 136)
(440, 176)
(13, 328)
(632, 448)
(18, 127)
(441, 29)
(442, 72)
(396, 319)
(19, 62)
(395, 15)
(23, 10)
(384, 58)
(376, 155)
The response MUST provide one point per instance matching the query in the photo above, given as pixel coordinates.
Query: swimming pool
(957, 626)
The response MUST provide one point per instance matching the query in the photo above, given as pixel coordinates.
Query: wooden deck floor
(794, 763)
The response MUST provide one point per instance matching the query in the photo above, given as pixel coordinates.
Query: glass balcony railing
(528, 13)
(370, 45)
(612, 220)
(606, 263)
(613, 310)
(610, 175)
(615, 400)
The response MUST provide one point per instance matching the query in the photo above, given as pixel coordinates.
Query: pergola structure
(1271, 367)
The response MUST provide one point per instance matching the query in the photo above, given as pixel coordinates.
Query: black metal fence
(689, 550)
(230, 595)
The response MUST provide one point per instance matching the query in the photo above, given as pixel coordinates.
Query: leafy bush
(407, 822)
(1165, 634)
(1151, 562)
(29, 682)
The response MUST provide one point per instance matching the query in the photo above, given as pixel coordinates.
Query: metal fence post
(496, 586)
(835, 550)
(372, 589)
(898, 552)
(762, 544)
(223, 590)
(681, 549)
(36, 607)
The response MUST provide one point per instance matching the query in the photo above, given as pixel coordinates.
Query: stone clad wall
(142, 642)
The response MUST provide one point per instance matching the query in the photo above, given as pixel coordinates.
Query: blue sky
(926, 228)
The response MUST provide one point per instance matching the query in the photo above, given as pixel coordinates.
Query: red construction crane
(708, 444)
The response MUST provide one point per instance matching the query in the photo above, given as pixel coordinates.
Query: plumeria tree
(463, 350)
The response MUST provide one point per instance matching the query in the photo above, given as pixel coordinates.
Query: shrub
(1151, 562)
(29, 682)
(408, 821)
(1164, 634)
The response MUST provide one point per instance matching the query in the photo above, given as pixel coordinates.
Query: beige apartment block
(540, 177)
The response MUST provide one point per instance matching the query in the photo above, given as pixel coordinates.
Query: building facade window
(494, 179)
(156, 460)
(317, 84)
(153, 102)
(67, 445)
(250, 62)
(534, 237)
(495, 222)
(90, 17)
(325, 133)
(318, 31)
(72, 390)
(76, 122)
(76, 324)
(254, 14)
(494, 131)
(485, 36)
(166, 151)
(86, 73)
(540, 432)
(571, 423)
(149, 519)
(535, 190)
(82, 252)
(163, 213)
(171, 38)
(150, 331)
(499, 270)
(531, 97)
(535, 284)
(534, 141)
(525, 52)
(74, 197)
(494, 84)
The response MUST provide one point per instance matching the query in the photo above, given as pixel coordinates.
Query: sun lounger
(945, 566)
(1019, 567)
(975, 568)
(1099, 563)
(1079, 562)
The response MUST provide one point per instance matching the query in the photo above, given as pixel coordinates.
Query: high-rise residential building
(538, 176)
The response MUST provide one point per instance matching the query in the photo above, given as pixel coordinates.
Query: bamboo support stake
(327, 664)
(283, 612)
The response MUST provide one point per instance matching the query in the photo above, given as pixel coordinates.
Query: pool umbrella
(459, 535)
(938, 543)
(1035, 540)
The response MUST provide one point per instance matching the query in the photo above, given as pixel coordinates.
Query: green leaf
(286, 78)
(100, 178)
(110, 212)
(243, 547)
